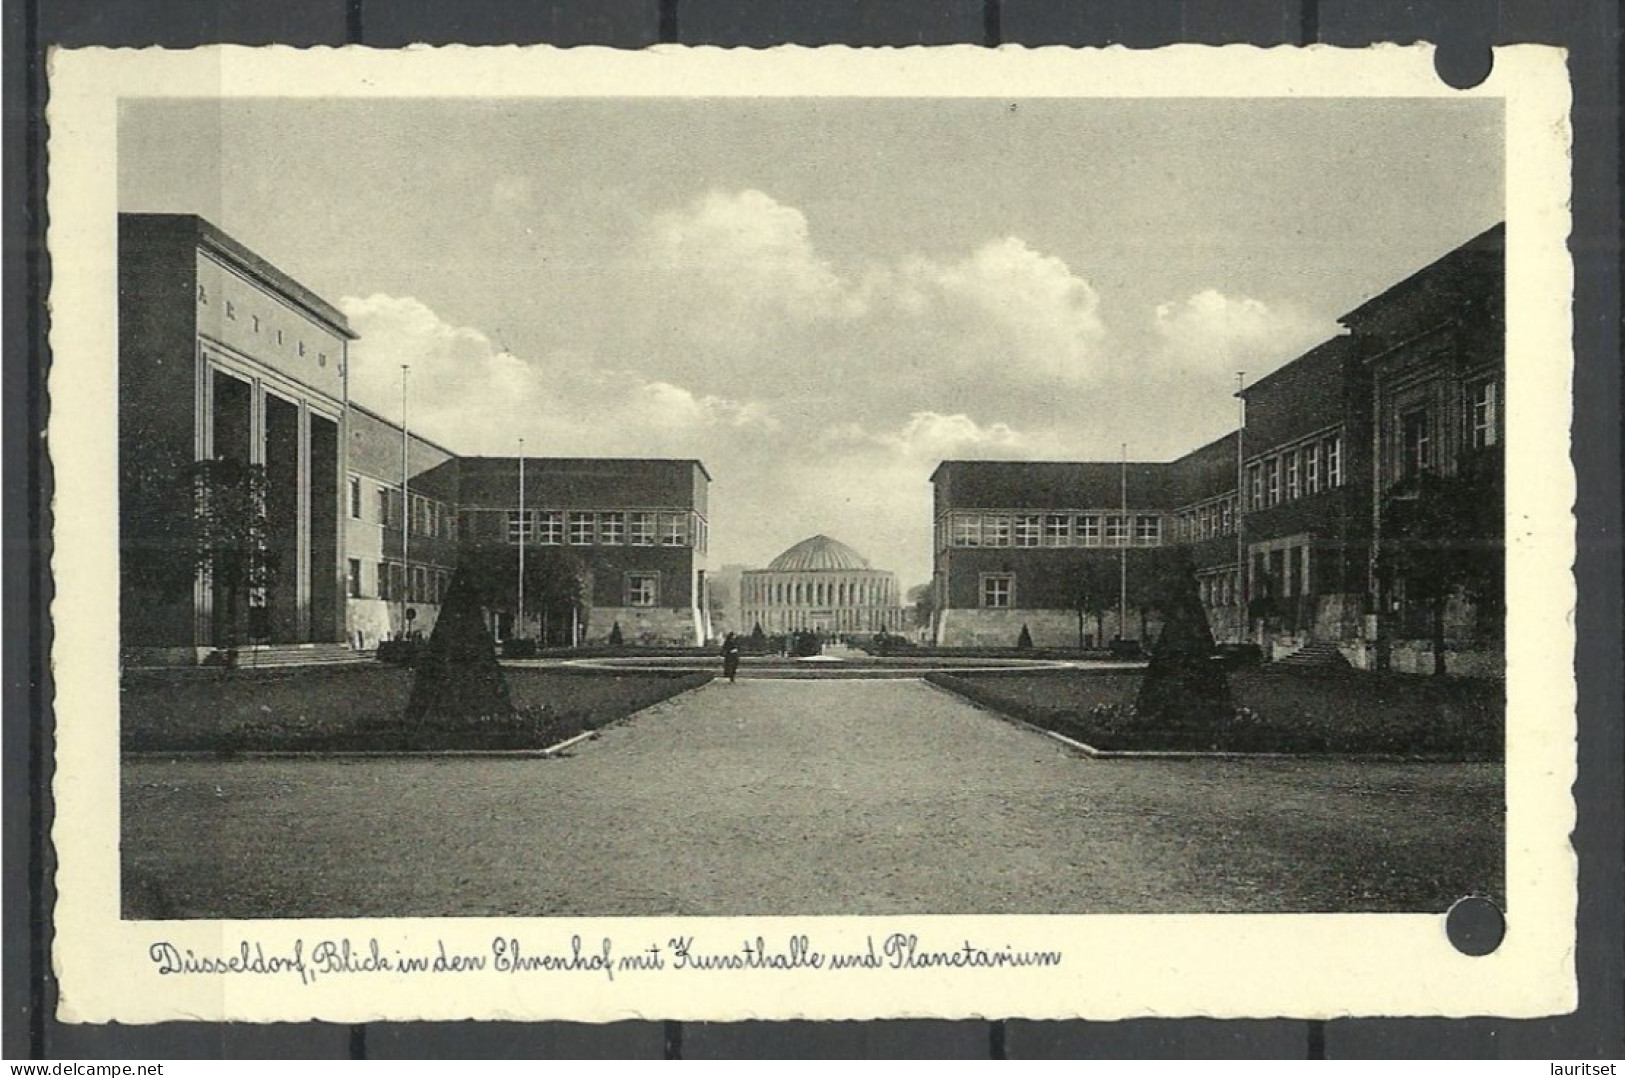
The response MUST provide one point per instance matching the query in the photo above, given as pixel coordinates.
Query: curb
(551, 752)
(1094, 753)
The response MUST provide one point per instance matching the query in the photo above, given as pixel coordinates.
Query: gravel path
(804, 798)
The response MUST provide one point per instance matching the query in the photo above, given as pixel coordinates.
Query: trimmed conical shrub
(615, 638)
(1183, 686)
(457, 675)
(1025, 640)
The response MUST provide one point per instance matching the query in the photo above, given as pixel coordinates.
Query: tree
(230, 535)
(1443, 535)
(1183, 686)
(1024, 641)
(758, 638)
(1095, 593)
(457, 675)
(923, 599)
(555, 580)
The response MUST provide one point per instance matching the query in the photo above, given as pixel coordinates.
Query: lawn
(361, 708)
(1277, 710)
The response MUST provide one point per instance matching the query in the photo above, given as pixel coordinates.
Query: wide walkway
(803, 797)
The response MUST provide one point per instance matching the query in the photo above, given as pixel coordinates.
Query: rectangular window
(1028, 529)
(384, 502)
(995, 530)
(967, 529)
(1311, 468)
(1292, 490)
(1089, 530)
(521, 526)
(1148, 530)
(1057, 530)
(1116, 530)
(998, 591)
(641, 528)
(1334, 462)
(548, 525)
(1481, 401)
(355, 498)
(1272, 481)
(420, 584)
(1415, 444)
(673, 529)
(1227, 516)
(612, 528)
(642, 589)
(355, 578)
(1255, 483)
(581, 529)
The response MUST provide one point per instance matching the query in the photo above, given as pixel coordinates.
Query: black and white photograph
(811, 530)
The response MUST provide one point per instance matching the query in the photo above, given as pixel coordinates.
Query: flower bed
(1276, 711)
(361, 709)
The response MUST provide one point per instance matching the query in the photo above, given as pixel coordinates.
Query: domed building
(823, 585)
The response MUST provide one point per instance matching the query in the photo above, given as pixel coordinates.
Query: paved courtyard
(803, 798)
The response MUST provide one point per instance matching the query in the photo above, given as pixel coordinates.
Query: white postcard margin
(1307, 966)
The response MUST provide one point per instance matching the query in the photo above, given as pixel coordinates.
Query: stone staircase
(1315, 655)
(283, 656)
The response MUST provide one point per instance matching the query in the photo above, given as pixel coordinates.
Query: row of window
(555, 527)
(231, 316)
(390, 581)
(430, 517)
(1052, 530)
(997, 591)
(1207, 520)
(1305, 469)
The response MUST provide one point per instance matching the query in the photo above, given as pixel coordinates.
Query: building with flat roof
(224, 358)
(1283, 519)
(259, 505)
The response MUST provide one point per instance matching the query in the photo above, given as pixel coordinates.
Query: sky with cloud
(823, 299)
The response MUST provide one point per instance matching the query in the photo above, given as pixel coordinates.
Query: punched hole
(1475, 926)
(1463, 64)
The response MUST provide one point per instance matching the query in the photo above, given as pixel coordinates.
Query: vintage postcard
(702, 534)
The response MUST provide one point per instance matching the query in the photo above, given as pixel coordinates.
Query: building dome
(816, 554)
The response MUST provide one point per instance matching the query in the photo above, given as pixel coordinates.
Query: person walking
(730, 656)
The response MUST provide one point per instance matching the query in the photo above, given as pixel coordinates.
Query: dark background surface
(1463, 29)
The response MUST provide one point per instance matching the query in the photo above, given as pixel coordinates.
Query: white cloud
(1023, 309)
(750, 254)
(465, 391)
(1214, 333)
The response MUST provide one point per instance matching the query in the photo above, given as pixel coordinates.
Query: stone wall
(652, 626)
(1048, 628)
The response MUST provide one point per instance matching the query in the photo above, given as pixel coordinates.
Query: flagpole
(406, 509)
(524, 534)
(1122, 553)
(1241, 501)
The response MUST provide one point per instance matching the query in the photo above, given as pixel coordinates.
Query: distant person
(730, 656)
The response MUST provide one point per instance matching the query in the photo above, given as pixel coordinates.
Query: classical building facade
(225, 358)
(822, 585)
(229, 365)
(1283, 518)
